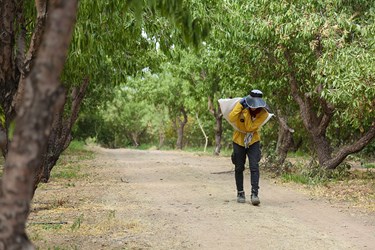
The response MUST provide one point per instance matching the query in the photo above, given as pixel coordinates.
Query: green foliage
(77, 151)
(93, 126)
(193, 29)
(137, 56)
(369, 165)
(290, 177)
(76, 146)
(124, 38)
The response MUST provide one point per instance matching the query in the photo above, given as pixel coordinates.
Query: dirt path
(177, 200)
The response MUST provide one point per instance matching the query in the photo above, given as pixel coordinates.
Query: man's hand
(243, 103)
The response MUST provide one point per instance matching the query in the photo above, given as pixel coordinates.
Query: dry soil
(133, 199)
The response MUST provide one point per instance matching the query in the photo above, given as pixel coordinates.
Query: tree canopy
(312, 59)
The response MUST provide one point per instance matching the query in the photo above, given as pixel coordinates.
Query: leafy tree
(32, 93)
(165, 90)
(303, 50)
(129, 119)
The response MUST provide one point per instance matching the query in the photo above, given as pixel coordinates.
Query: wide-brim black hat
(254, 100)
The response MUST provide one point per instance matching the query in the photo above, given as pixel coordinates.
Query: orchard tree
(319, 55)
(32, 94)
(165, 90)
(21, 43)
(130, 117)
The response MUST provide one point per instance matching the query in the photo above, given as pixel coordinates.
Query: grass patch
(67, 171)
(290, 177)
(78, 151)
(69, 164)
(54, 227)
(298, 154)
(369, 165)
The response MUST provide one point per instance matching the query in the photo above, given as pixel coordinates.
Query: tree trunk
(180, 128)
(218, 115)
(9, 74)
(42, 97)
(161, 139)
(60, 136)
(284, 140)
(135, 139)
(3, 140)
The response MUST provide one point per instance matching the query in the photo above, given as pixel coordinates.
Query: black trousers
(253, 153)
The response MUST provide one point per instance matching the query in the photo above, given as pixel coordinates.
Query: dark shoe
(255, 200)
(241, 197)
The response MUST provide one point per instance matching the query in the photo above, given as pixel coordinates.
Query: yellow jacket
(242, 119)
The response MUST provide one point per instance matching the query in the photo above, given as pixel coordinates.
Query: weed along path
(132, 199)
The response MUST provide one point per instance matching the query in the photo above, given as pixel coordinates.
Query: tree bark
(161, 139)
(3, 140)
(60, 136)
(180, 128)
(284, 140)
(43, 96)
(26, 61)
(218, 124)
(9, 75)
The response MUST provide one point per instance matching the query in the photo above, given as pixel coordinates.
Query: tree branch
(36, 39)
(77, 98)
(328, 112)
(304, 107)
(352, 148)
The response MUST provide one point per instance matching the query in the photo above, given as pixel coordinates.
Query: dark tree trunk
(3, 140)
(60, 136)
(284, 140)
(218, 115)
(9, 74)
(43, 96)
(180, 128)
